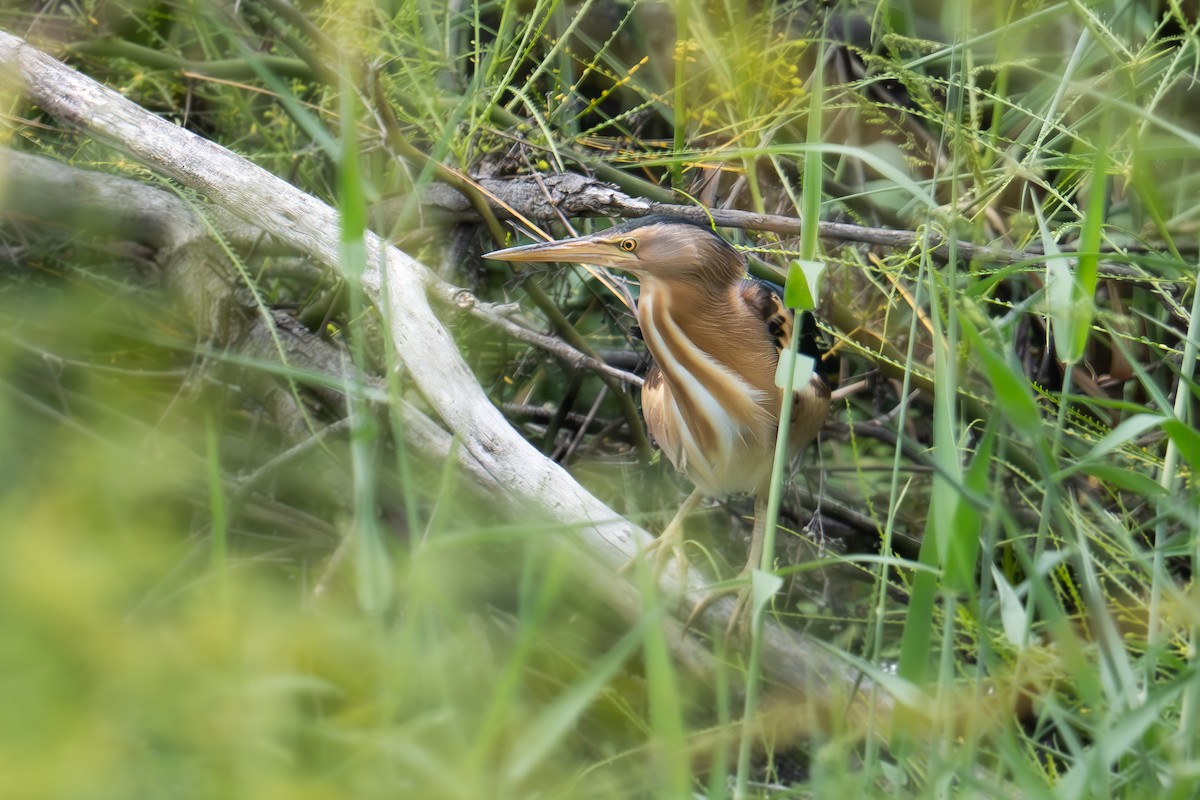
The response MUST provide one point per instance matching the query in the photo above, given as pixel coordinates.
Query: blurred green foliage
(164, 633)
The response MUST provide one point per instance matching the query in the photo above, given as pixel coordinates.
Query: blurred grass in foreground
(129, 666)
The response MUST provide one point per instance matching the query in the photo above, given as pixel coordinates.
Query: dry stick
(488, 313)
(398, 283)
(580, 195)
(542, 415)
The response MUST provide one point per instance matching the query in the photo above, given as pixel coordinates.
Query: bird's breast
(709, 417)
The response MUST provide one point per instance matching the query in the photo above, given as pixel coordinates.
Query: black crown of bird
(711, 399)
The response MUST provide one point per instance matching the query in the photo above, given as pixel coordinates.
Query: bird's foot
(666, 547)
(739, 619)
(743, 606)
(743, 585)
(669, 544)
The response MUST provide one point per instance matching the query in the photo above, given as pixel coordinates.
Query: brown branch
(481, 201)
(578, 195)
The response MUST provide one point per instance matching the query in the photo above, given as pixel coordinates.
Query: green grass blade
(546, 731)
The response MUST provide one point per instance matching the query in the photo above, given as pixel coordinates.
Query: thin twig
(490, 314)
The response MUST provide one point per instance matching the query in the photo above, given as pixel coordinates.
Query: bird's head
(653, 246)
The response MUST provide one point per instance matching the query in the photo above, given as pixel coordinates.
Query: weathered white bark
(398, 284)
(429, 353)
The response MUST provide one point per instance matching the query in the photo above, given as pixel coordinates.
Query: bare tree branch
(579, 195)
(194, 269)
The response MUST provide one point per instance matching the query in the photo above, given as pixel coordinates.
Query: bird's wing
(766, 299)
(810, 405)
(662, 424)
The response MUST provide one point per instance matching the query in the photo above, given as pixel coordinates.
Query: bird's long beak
(582, 250)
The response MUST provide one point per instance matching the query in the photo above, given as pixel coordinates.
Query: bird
(710, 399)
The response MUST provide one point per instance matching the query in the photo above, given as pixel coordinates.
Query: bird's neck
(703, 342)
(712, 320)
(686, 311)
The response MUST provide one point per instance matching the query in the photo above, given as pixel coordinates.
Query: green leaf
(1121, 733)
(1012, 610)
(1070, 311)
(1134, 482)
(963, 551)
(906, 692)
(666, 712)
(1186, 438)
(1093, 216)
(763, 586)
(805, 365)
(1013, 393)
(538, 740)
(803, 285)
(915, 660)
(1128, 430)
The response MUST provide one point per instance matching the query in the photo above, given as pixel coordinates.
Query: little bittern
(710, 401)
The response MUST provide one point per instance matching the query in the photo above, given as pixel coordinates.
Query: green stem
(1167, 479)
(811, 199)
(226, 68)
(680, 110)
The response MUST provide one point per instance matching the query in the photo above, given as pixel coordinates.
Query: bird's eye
(629, 245)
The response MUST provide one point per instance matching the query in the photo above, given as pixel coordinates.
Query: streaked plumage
(710, 400)
(724, 351)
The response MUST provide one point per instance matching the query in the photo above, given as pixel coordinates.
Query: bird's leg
(743, 586)
(739, 618)
(670, 542)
